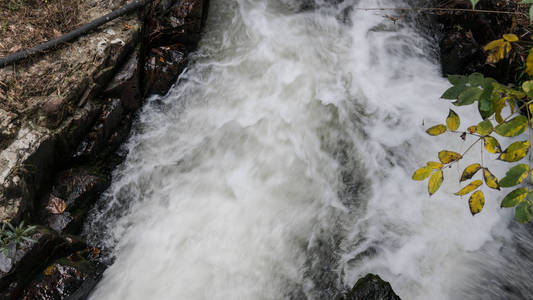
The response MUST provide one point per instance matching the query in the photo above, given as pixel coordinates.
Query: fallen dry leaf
(56, 205)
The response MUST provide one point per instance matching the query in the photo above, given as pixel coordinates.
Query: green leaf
(484, 127)
(492, 145)
(514, 198)
(515, 152)
(527, 87)
(476, 202)
(523, 212)
(474, 2)
(453, 121)
(470, 171)
(515, 175)
(422, 173)
(453, 92)
(513, 127)
(476, 79)
(457, 79)
(490, 180)
(447, 157)
(487, 100)
(468, 96)
(436, 130)
(435, 182)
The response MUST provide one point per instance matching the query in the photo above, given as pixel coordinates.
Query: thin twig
(423, 9)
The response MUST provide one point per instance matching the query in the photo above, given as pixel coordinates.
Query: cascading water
(279, 167)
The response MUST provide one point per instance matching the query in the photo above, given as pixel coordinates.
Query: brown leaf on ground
(56, 205)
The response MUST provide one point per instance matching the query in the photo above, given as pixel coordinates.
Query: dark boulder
(125, 84)
(163, 66)
(18, 261)
(73, 192)
(181, 23)
(60, 279)
(372, 287)
(95, 141)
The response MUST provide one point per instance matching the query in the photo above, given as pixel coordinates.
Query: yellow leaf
(476, 202)
(434, 165)
(472, 129)
(492, 145)
(497, 50)
(469, 188)
(435, 182)
(436, 130)
(49, 270)
(512, 105)
(490, 180)
(422, 173)
(510, 37)
(529, 63)
(515, 152)
(447, 157)
(470, 171)
(496, 44)
(453, 121)
(498, 107)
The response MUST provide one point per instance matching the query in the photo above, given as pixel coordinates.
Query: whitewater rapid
(279, 165)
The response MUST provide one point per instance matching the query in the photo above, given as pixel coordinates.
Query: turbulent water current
(279, 166)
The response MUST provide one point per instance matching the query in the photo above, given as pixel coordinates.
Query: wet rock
(120, 135)
(461, 54)
(125, 84)
(108, 121)
(372, 287)
(162, 68)
(90, 146)
(189, 12)
(78, 186)
(111, 116)
(17, 263)
(60, 279)
(73, 192)
(74, 132)
(58, 222)
(181, 23)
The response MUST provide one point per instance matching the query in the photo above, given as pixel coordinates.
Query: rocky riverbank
(58, 150)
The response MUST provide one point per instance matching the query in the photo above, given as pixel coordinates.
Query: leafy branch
(491, 98)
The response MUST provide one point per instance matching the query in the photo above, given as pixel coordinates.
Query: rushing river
(279, 168)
